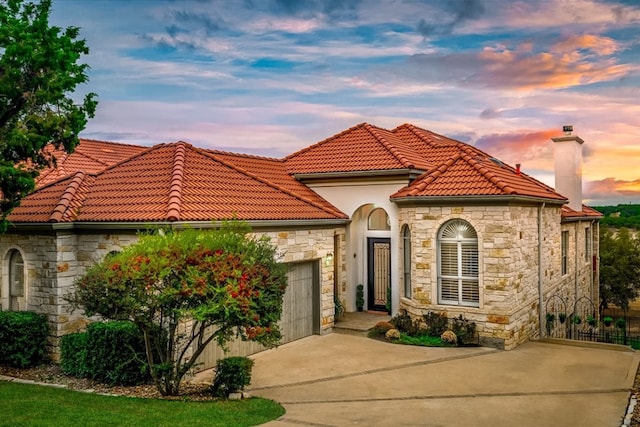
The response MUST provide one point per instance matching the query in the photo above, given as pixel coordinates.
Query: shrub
(73, 354)
(449, 337)
(436, 323)
(379, 329)
(233, 374)
(116, 353)
(464, 329)
(404, 323)
(23, 335)
(392, 334)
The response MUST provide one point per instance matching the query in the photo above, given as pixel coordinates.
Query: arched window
(16, 281)
(379, 220)
(406, 260)
(458, 264)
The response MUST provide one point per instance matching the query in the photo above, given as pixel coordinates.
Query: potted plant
(607, 321)
(620, 323)
(592, 321)
(562, 317)
(577, 320)
(551, 317)
(359, 297)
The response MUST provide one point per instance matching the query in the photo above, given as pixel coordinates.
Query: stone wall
(52, 263)
(508, 312)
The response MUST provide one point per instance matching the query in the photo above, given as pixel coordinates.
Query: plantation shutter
(16, 281)
(458, 264)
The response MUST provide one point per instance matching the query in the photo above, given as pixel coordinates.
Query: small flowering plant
(217, 280)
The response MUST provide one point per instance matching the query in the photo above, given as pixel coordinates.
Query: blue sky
(269, 77)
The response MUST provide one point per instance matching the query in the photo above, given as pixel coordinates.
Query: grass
(33, 405)
(423, 340)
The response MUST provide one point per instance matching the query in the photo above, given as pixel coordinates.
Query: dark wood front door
(379, 274)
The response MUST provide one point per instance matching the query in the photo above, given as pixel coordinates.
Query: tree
(185, 289)
(619, 268)
(38, 70)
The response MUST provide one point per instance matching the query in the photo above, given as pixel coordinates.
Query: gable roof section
(468, 174)
(462, 170)
(361, 148)
(169, 182)
(90, 156)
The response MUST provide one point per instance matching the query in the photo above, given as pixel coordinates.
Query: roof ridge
(271, 184)
(375, 132)
(175, 188)
(413, 130)
(108, 142)
(245, 155)
(136, 155)
(324, 141)
(91, 157)
(67, 197)
(484, 171)
(424, 180)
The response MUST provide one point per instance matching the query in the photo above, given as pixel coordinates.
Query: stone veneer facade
(509, 302)
(53, 261)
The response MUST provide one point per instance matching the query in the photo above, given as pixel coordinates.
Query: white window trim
(461, 240)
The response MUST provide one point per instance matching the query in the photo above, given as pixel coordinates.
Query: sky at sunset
(269, 77)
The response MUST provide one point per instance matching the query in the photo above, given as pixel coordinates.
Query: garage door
(300, 308)
(300, 315)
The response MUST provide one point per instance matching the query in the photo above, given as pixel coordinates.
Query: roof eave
(476, 199)
(133, 225)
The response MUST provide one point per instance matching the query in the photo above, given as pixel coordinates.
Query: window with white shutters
(16, 281)
(458, 264)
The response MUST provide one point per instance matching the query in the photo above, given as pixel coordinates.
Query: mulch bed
(52, 374)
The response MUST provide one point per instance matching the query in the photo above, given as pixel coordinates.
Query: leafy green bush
(436, 323)
(465, 330)
(405, 323)
(116, 353)
(73, 354)
(233, 374)
(23, 338)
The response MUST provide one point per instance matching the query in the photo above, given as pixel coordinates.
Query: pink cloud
(572, 60)
(612, 188)
(519, 146)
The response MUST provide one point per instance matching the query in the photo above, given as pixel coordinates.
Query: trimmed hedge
(73, 354)
(23, 335)
(116, 353)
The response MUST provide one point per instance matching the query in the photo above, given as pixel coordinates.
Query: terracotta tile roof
(361, 148)
(587, 212)
(89, 156)
(177, 182)
(470, 172)
(274, 171)
(170, 182)
(452, 168)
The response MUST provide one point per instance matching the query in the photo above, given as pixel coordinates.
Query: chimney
(568, 167)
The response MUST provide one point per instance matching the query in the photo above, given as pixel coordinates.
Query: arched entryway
(370, 242)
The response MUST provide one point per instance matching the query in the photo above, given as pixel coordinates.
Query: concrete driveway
(339, 380)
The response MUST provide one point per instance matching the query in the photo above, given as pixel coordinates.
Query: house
(425, 222)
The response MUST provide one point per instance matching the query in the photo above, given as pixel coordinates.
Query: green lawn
(32, 405)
